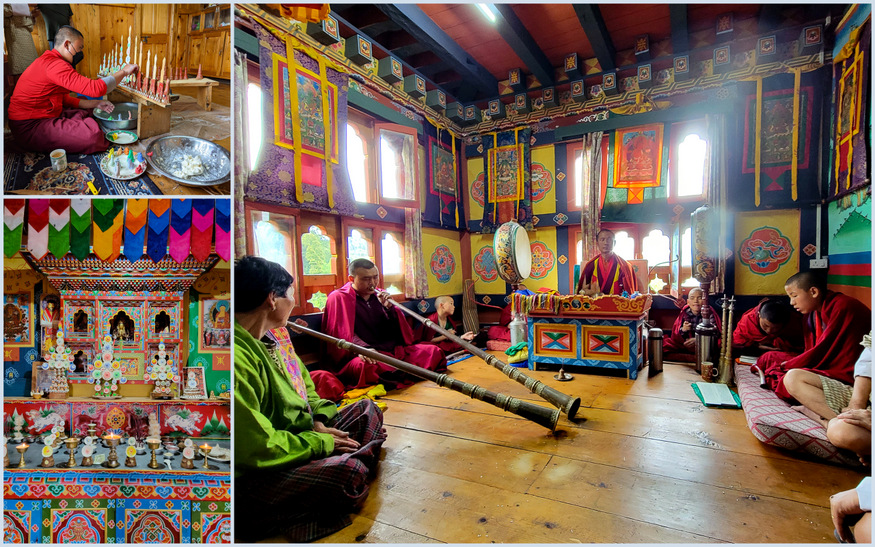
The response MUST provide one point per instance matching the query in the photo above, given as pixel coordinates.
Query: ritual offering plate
(121, 136)
(119, 164)
(190, 160)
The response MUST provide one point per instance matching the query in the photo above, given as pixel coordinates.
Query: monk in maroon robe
(607, 273)
(357, 313)
(501, 331)
(771, 326)
(680, 345)
(834, 325)
(443, 317)
(43, 116)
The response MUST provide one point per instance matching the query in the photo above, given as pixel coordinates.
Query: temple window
(162, 322)
(688, 150)
(357, 162)
(656, 248)
(687, 259)
(317, 252)
(399, 170)
(80, 321)
(253, 100)
(624, 245)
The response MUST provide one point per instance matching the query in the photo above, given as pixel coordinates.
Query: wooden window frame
(378, 229)
(376, 148)
(364, 127)
(679, 131)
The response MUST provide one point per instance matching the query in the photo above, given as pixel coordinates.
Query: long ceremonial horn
(540, 415)
(563, 402)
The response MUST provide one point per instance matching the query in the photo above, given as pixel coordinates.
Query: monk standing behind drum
(607, 273)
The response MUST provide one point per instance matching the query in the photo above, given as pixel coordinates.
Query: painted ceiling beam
(413, 20)
(593, 25)
(517, 37)
(680, 34)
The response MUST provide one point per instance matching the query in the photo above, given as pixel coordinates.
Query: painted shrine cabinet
(139, 305)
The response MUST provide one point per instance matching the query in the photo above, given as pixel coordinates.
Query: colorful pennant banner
(202, 221)
(108, 224)
(13, 225)
(180, 229)
(59, 227)
(136, 215)
(223, 229)
(38, 227)
(159, 229)
(80, 227)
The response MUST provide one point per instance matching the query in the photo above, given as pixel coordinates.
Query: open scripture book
(718, 395)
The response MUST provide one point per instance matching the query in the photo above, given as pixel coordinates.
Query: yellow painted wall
(432, 238)
(545, 156)
(480, 242)
(475, 169)
(546, 264)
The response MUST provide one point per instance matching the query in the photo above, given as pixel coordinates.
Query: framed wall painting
(214, 325)
(18, 319)
(638, 156)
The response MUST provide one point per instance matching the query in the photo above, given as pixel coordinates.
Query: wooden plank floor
(646, 463)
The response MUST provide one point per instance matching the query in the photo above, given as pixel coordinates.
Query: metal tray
(166, 153)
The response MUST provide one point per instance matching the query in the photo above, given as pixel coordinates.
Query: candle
(147, 66)
(155, 67)
(140, 54)
(163, 62)
(205, 446)
(22, 446)
(129, 45)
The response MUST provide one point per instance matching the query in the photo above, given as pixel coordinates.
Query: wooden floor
(646, 464)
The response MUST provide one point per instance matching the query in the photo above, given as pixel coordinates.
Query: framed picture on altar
(194, 385)
(40, 380)
(214, 325)
(18, 319)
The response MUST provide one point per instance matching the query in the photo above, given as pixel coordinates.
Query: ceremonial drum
(513, 254)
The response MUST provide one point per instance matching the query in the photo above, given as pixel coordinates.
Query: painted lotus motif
(542, 181)
(477, 190)
(543, 260)
(765, 250)
(443, 263)
(484, 264)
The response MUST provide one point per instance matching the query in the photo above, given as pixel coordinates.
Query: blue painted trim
(864, 257)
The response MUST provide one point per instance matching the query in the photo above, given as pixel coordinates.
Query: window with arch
(271, 235)
(357, 161)
(687, 154)
(574, 166)
(318, 251)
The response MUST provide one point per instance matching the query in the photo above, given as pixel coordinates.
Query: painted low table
(97, 505)
(575, 330)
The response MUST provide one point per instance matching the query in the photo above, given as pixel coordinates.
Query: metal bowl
(166, 155)
(120, 108)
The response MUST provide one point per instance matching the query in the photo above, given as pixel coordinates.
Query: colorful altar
(575, 330)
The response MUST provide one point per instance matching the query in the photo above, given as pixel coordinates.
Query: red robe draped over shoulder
(674, 343)
(620, 276)
(832, 343)
(748, 333)
(338, 320)
(501, 331)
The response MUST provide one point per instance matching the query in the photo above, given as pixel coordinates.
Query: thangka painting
(214, 325)
(18, 319)
(300, 106)
(292, 169)
(443, 169)
(638, 156)
(776, 135)
(508, 179)
(767, 251)
(851, 73)
(505, 166)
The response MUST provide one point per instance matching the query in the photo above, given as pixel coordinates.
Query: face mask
(78, 56)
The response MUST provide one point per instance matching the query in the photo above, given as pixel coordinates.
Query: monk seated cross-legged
(43, 116)
(358, 313)
(834, 324)
(680, 345)
(443, 317)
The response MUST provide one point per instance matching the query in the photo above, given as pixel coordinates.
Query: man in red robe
(443, 317)
(357, 313)
(680, 345)
(501, 331)
(771, 326)
(607, 273)
(834, 324)
(43, 116)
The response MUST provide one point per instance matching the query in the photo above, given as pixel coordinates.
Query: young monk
(443, 317)
(681, 344)
(834, 323)
(770, 326)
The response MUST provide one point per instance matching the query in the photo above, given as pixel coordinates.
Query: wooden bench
(204, 92)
